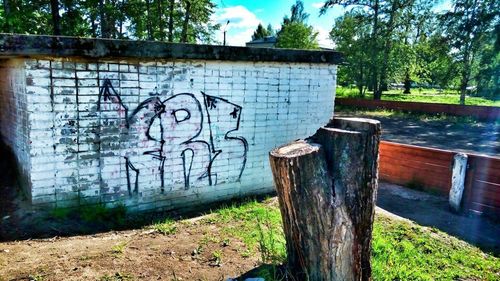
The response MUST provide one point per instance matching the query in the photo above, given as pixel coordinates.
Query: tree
(260, 33)
(294, 32)
(172, 20)
(351, 35)
(389, 23)
(467, 27)
(297, 36)
(56, 18)
(270, 30)
(488, 72)
(297, 14)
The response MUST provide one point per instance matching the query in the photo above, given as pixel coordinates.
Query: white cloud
(324, 39)
(317, 5)
(242, 24)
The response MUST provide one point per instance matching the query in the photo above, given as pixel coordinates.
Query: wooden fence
(481, 112)
(429, 169)
(482, 188)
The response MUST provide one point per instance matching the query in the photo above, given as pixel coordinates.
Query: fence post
(326, 188)
(459, 169)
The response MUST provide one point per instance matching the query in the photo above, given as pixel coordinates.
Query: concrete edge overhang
(36, 46)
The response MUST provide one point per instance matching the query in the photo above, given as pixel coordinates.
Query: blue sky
(244, 17)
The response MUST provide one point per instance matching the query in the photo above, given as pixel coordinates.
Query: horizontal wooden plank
(415, 164)
(486, 209)
(421, 169)
(486, 176)
(396, 175)
(416, 158)
(484, 189)
(485, 198)
(431, 154)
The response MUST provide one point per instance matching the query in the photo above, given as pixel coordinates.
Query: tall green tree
(351, 35)
(488, 72)
(395, 41)
(295, 33)
(260, 32)
(467, 27)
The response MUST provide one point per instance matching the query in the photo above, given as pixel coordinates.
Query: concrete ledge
(15, 45)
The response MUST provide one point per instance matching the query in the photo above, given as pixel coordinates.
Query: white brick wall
(160, 134)
(14, 117)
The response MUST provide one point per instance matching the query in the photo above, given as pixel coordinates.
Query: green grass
(258, 225)
(454, 121)
(165, 227)
(119, 248)
(401, 250)
(420, 95)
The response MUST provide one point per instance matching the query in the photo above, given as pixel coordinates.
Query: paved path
(478, 137)
(433, 211)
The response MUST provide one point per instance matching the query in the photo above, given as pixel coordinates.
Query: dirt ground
(140, 254)
(469, 137)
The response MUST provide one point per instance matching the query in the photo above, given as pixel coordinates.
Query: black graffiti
(227, 114)
(108, 93)
(171, 130)
(130, 171)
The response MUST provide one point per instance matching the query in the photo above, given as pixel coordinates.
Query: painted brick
(145, 135)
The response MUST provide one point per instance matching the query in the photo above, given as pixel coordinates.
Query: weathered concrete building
(154, 125)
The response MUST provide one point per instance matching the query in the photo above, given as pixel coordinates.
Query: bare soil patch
(194, 252)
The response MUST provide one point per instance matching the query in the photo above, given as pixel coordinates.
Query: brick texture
(157, 134)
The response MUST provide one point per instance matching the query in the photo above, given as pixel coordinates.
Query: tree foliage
(260, 33)
(408, 41)
(163, 20)
(295, 33)
(468, 28)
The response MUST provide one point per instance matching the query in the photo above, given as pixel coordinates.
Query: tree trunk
(148, 21)
(407, 83)
(7, 15)
(120, 23)
(56, 18)
(171, 21)
(161, 35)
(103, 20)
(185, 26)
(466, 70)
(326, 188)
(361, 78)
(377, 95)
(374, 51)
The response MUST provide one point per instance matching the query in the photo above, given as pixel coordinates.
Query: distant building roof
(268, 41)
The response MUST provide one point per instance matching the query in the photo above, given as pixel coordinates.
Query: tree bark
(326, 188)
(56, 18)
(161, 35)
(171, 21)
(407, 83)
(374, 50)
(148, 21)
(103, 20)
(7, 15)
(185, 25)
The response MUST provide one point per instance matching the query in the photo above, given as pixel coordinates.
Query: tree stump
(327, 187)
